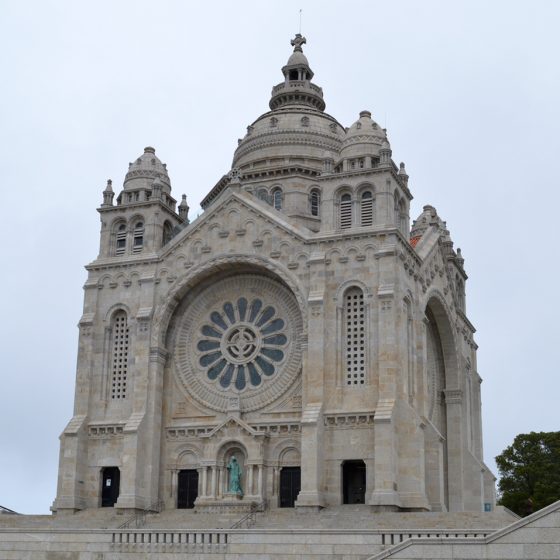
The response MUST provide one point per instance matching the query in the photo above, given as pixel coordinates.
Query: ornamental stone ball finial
(297, 42)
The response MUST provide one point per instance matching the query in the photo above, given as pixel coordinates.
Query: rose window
(242, 342)
(237, 340)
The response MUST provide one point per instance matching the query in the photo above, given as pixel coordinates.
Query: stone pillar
(174, 489)
(204, 482)
(312, 467)
(249, 489)
(213, 481)
(260, 481)
(385, 495)
(454, 408)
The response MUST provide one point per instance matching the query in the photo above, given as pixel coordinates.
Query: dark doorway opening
(187, 488)
(110, 482)
(353, 482)
(290, 486)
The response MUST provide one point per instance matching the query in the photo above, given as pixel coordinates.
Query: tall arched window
(354, 328)
(315, 201)
(120, 240)
(167, 233)
(262, 195)
(345, 211)
(277, 198)
(138, 237)
(366, 208)
(119, 355)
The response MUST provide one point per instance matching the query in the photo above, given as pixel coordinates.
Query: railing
(249, 519)
(139, 518)
(390, 538)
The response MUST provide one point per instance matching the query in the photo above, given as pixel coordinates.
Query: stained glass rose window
(238, 336)
(241, 343)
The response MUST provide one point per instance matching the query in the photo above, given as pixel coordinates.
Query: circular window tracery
(239, 335)
(243, 342)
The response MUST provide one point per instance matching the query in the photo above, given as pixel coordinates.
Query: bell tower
(144, 217)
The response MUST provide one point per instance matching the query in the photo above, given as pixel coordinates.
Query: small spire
(459, 258)
(108, 194)
(157, 186)
(184, 209)
(403, 174)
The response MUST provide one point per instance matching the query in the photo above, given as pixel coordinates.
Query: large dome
(290, 135)
(296, 130)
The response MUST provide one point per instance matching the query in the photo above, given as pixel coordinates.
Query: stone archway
(443, 447)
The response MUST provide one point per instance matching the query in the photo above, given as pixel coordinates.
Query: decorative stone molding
(453, 396)
(106, 431)
(349, 421)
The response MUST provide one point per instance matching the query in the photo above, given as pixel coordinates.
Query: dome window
(277, 199)
(315, 200)
(293, 75)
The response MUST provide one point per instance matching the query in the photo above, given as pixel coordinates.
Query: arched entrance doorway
(354, 482)
(110, 483)
(187, 488)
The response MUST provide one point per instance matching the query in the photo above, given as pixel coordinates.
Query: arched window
(167, 233)
(138, 237)
(262, 195)
(345, 211)
(366, 208)
(277, 198)
(460, 286)
(119, 355)
(315, 201)
(120, 242)
(354, 329)
(397, 211)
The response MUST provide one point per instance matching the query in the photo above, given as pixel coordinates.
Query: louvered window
(119, 356)
(345, 211)
(138, 238)
(367, 209)
(121, 240)
(355, 337)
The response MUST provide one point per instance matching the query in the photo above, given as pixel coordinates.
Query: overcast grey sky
(469, 92)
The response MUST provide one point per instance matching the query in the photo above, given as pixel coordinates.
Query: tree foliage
(530, 472)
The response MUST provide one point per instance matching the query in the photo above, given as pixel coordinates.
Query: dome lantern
(297, 88)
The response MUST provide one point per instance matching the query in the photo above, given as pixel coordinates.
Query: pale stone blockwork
(299, 324)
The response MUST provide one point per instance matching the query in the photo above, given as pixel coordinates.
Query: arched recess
(354, 331)
(234, 448)
(443, 447)
(222, 266)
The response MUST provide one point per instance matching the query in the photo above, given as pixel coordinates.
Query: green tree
(530, 472)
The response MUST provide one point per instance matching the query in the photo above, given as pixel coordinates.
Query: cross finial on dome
(298, 41)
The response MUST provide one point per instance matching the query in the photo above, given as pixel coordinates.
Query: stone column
(174, 488)
(204, 482)
(249, 489)
(260, 481)
(213, 481)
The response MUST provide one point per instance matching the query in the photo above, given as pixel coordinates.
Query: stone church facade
(299, 324)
